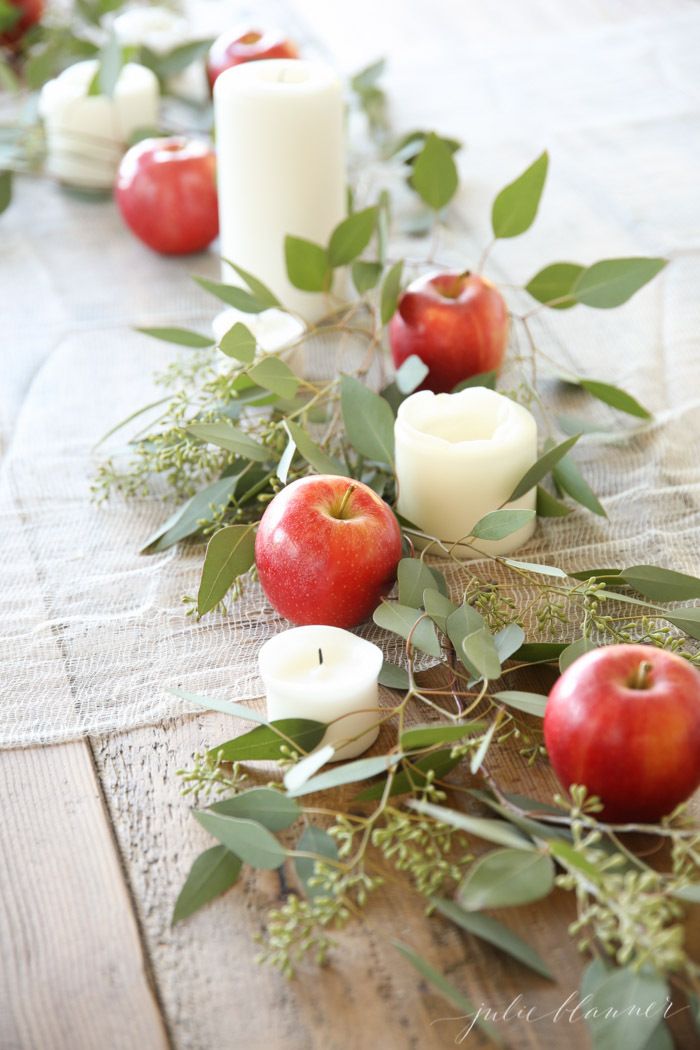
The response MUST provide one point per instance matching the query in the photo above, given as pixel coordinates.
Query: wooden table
(95, 840)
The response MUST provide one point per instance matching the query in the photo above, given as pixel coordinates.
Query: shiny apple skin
(637, 749)
(30, 13)
(457, 324)
(247, 45)
(315, 567)
(166, 193)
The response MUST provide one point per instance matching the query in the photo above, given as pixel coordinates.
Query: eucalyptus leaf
(414, 577)
(393, 676)
(111, 62)
(497, 831)
(368, 419)
(313, 840)
(239, 342)
(687, 620)
(624, 1009)
(553, 285)
(413, 778)
(530, 703)
(506, 878)
(206, 505)
(662, 585)
(226, 707)
(227, 436)
(272, 740)
(411, 374)
(542, 467)
(301, 771)
(308, 267)
(438, 607)
(434, 176)
(495, 933)
(274, 374)
(548, 506)
(480, 650)
(391, 286)
(570, 480)
(573, 651)
(285, 461)
(212, 873)
(537, 567)
(5, 190)
(611, 282)
(268, 806)
(478, 756)
(501, 523)
(540, 652)
(458, 625)
(402, 620)
(515, 207)
(350, 237)
(508, 640)
(310, 451)
(570, 857)
(260, 291)
(230, 553)
(616, 397)
(179, 336)
(365, 275)
(348, 773)
(487, 379)
(418, 737)
(232, 295)
(250, 841)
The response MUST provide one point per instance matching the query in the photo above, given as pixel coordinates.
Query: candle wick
(320, 656)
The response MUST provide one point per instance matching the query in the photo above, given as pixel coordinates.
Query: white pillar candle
(458, 457)
(281, 167)
(342, 686)
(86, 135)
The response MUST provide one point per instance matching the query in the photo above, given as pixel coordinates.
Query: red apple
(232, 48)
(28, 13)
(456, 323)
(625, 721)
(327, 550)
(166, 192)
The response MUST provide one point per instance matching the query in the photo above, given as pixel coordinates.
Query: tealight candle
(281, 167)
(458, 457)
(325, 673)
(86, 135)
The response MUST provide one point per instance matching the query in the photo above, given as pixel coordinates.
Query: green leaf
(462, 1002)
(179, 336)
(232, 295)
(573, 651)
(206, 505)
(531, 703)
(621, 1013)
(553, 285)
(480, 650)
(438, 608)
(413, 778)
(508, 640)
(689, 893)
(411, 374)
(575, 425)
(515, 207)
(350, 237)
(267, 806)
(393, 676)
(368, 76)
(687, 620)
(230, 553)
(391, 287)
(314, 456)
(570, 480)
(365, 275)
(540, 652)
(616, 397)
(273, 374)
(348, 773)
(662, 585)
(260, 291)
(401, 619)
(308, 267)
(313, 840)
(612, 282)
(5, 190)
(498, 831)
(230, 438)
(495, 933)
(487, 379)
(239, 342)
(531, 566)
(212, 873)
(414, 577)
(573, 858)
(271, 740)
(111, 62)
(300, 772)
(548, 506)
(505, 878)
(253, 843)
(368, 419)
(226, 707)
(418, 737)
(178, 59)
(458, 625)
(434, 176)
(542, 467)
(501, 523)
(285, 461)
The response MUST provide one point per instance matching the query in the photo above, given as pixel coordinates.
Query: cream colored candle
(281, 167)
(458, 457)
(325, 673)
(86, 135)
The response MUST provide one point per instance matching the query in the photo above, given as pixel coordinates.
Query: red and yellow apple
(233, 48)
(326, 551)
(456, 323)
(166, 193)
(14, 24)
(625, 721)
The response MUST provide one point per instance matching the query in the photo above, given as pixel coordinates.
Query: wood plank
(72, 972)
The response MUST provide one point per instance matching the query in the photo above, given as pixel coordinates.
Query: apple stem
(346, 496)
(640, 678)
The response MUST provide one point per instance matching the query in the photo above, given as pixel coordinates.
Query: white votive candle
(281, 167)
(458, 457)
(86, 135)
(325, 673)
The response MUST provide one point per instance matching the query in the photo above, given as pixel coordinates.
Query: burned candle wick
(320, 656)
